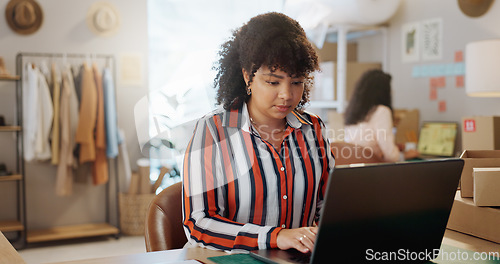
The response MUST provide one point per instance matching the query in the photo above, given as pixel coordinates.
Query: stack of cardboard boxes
(476, 210)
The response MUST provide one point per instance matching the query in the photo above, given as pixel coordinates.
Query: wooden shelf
(13, 177)
(9, 128)
(9, 226)
(70, 232)
(10, 77)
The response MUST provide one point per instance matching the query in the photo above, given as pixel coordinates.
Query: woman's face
(274, 94)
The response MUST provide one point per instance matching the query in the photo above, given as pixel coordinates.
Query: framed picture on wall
(410, 42)
(432, 39)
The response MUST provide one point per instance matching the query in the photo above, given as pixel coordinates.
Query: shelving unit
(70, 232)
(17, 225)
(78, 230)
(341, 34)
(10, 128)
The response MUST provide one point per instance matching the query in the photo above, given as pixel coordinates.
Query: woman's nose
(285, 92)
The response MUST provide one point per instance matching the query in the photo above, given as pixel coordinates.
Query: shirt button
(285, 197)
(282, 168)
(283, 225)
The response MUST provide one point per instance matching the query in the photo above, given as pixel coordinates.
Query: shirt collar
(240, 118)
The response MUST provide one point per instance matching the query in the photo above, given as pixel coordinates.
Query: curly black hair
(372, 89)
(271, 39)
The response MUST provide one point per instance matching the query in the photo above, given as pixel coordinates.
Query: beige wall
(458, 30)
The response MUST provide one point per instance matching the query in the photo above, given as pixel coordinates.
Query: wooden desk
(8, 253)
(451, 238)
(461, 240)
(166, 256)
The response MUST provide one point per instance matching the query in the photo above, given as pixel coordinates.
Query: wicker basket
(133, 210)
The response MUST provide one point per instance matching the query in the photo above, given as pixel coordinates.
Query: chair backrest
(163, 227)
(348, 153)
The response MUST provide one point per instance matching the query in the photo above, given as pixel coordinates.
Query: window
(184, 38)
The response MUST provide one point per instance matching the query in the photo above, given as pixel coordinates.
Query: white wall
(65, 30)
(458, 30)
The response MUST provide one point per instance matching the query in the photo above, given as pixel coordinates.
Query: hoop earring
(249, 91)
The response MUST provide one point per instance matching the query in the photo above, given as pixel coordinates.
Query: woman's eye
(298, 83)
(273, 83)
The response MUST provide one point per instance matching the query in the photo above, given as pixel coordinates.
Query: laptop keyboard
(299, 257)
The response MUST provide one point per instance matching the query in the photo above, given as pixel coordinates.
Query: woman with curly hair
(255, 170)
(368, 118)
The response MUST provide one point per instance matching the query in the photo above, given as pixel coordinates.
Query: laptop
(397, 210)
(437, 140)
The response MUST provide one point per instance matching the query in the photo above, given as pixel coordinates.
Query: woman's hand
(411, 154)
(302, 239)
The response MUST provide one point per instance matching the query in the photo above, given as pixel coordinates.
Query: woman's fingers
(301, 239)
(307, 242)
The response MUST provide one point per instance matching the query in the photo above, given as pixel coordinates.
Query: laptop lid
(437, 139)
(398, 209)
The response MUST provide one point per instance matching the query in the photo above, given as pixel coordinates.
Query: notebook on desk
(381, 210)
(437, 140)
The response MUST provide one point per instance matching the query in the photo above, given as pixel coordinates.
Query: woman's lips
(282, 108)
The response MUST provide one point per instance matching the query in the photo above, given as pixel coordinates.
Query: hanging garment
(100, 168)
(77, 71)
(112, 136)
(124, 157)
(56, 94)
(87, 116)
(30, 105)
(69, 122)
(44, 68)
(45, 115)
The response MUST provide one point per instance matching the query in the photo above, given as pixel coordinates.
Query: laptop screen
(437, 139)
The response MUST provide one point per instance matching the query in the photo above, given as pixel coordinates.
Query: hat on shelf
(24, 16)
(474, 8)
(103, 19)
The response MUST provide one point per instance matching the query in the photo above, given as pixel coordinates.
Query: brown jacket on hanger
(87, 117)
(100, 168)
(64, 179)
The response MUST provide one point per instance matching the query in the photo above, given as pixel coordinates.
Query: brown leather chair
(164, 229)
(348, 153)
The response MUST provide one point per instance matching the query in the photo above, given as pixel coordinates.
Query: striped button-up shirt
(239, 191)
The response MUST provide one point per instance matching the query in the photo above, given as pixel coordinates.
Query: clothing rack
(85, 230)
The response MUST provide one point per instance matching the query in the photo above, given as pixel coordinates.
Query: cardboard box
(481, 222)
(476, 159)
(487, 186)
(407, 125)
(481, 132)
(329, 51)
